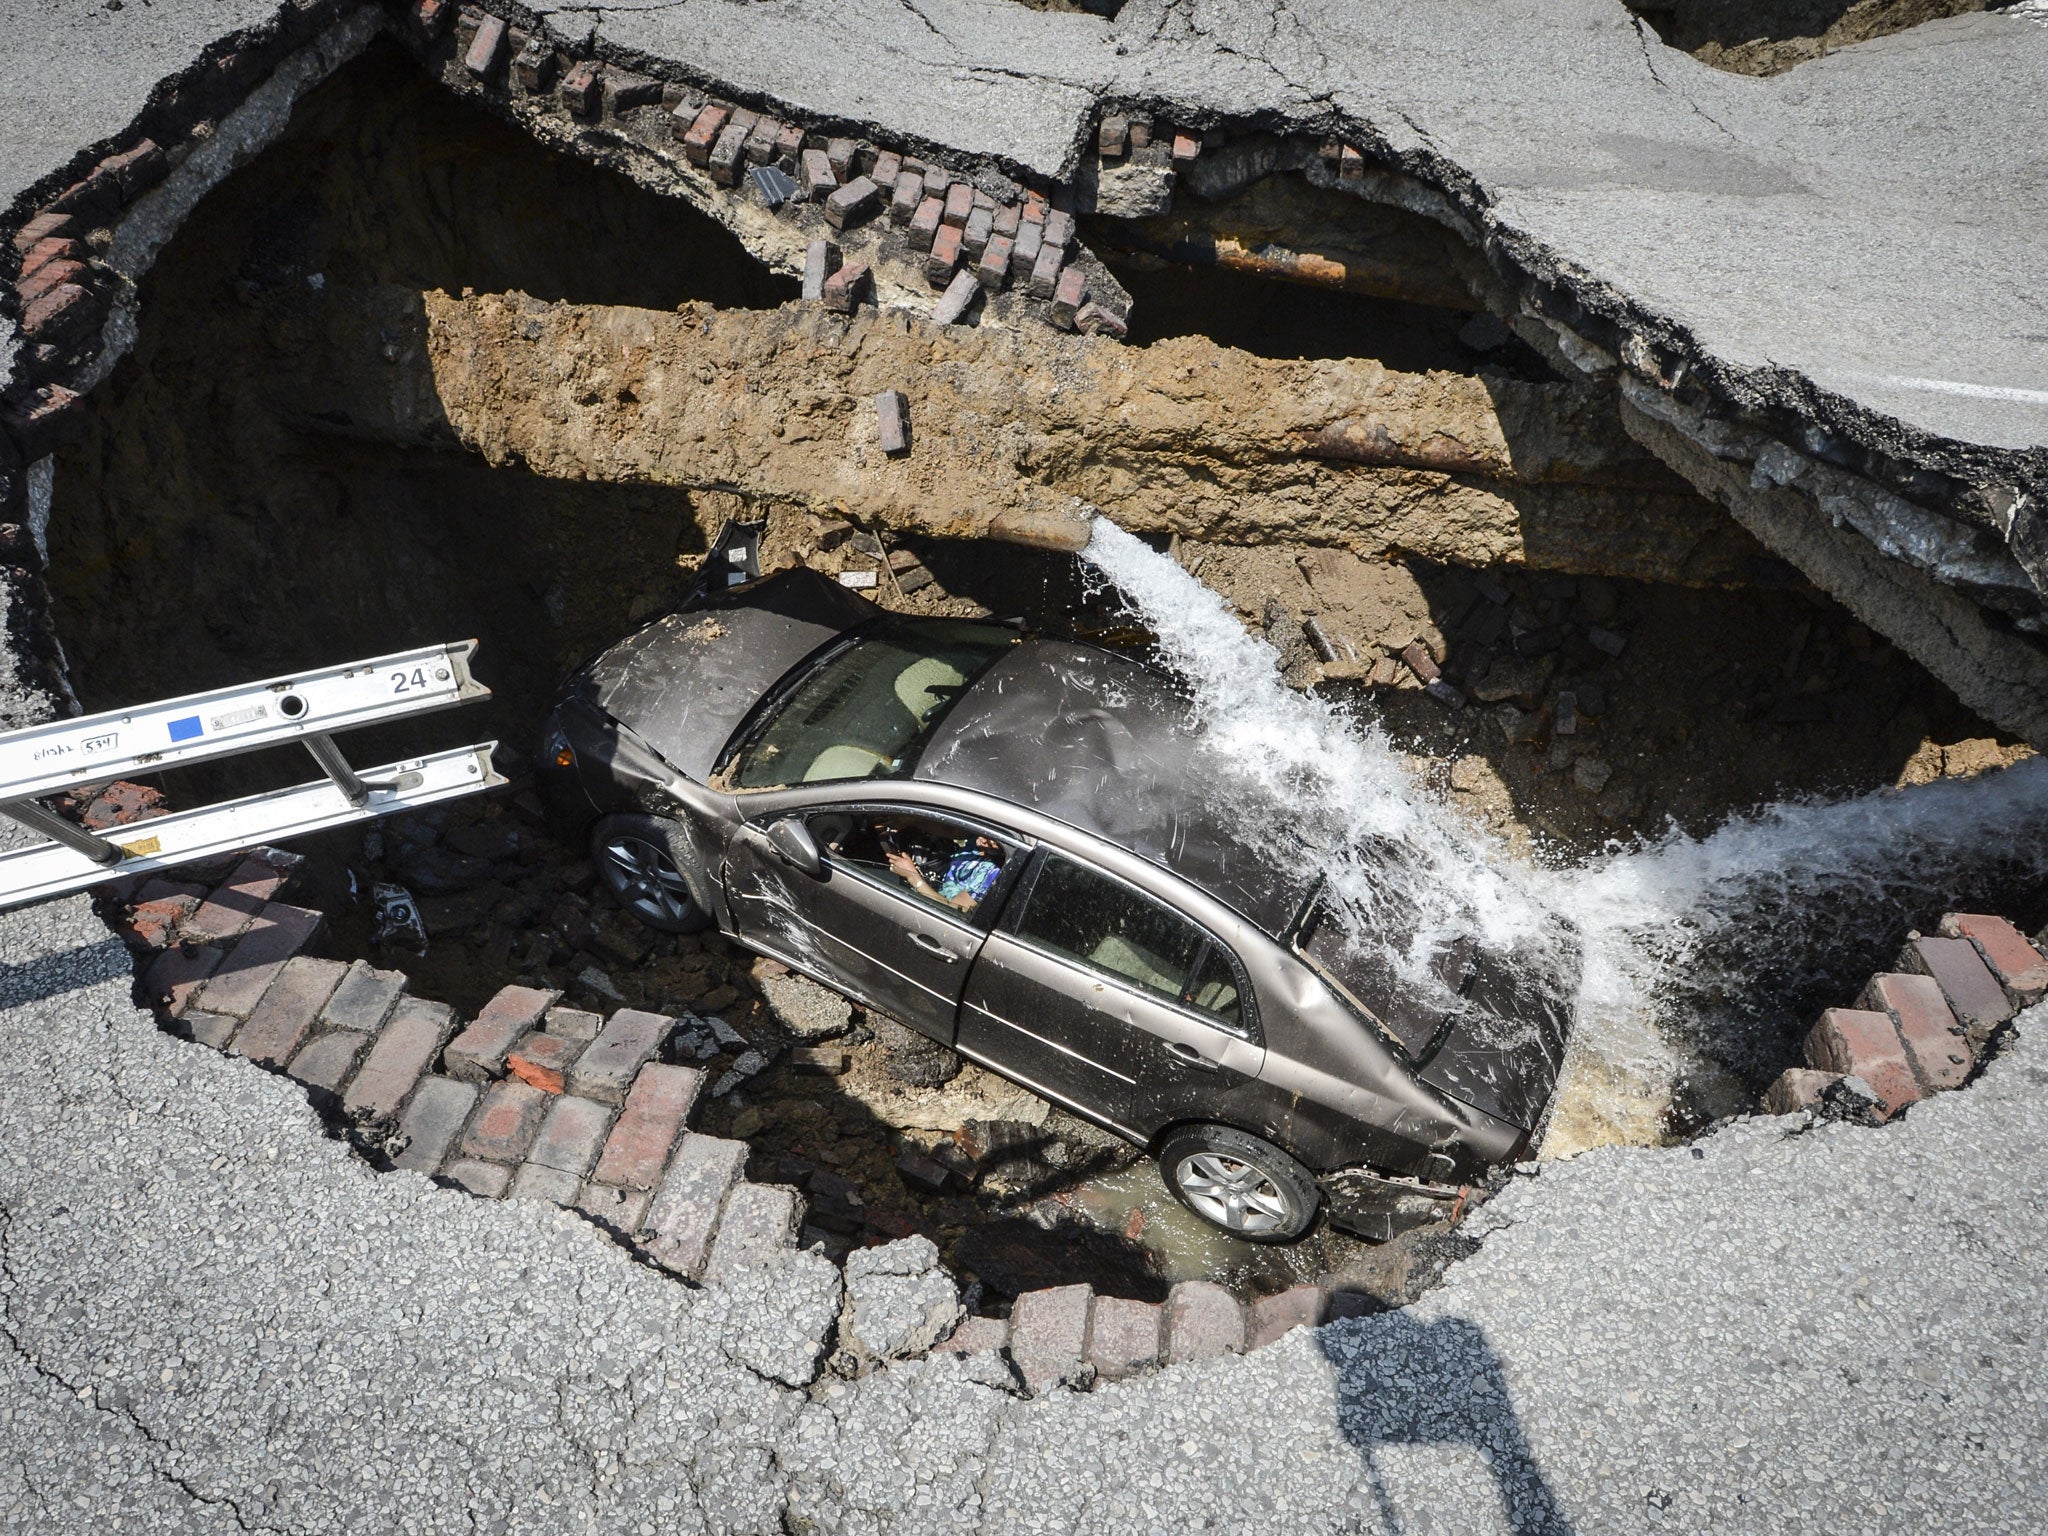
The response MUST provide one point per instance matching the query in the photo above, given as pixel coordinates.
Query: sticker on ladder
(185, 729)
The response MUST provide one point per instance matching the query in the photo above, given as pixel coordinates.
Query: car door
(1095, 993)
(858, 924)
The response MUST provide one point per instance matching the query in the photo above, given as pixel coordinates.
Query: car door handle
(930, 945)
(1188, 1056)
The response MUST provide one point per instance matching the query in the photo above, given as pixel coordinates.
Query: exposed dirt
(1768, 37)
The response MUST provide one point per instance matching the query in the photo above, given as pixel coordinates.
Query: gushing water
(1691, 960)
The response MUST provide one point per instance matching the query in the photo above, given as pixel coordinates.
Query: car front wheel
(1248, 1187)
(643, 861)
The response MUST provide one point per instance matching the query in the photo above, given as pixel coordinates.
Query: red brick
(761, 141)
(284, 1015)
(1035, 208)
(325, 1061)
(1049, 1334)
(892, 421)
(408, 1045)
(50, 275)
(1185, 148)
(1274, 1317)
(924, 223)
(137, 169)
(542, 1059)
(1091, 319)
(583, 93)
(47, 253)
(1860, 1043)
(486, 47)
(1045, 272)
(1059, 227)
(278, 933)
(622, 1210)
(1798, 1088)
(936, 180)
(1113, 137)
(1124, 1337)
(1068, 295)
(65, 310)
(487, 1180)
(238, 900)
(815, 176)
(907, 197)
(625, 91)
(364, 999)
(959, 204)
(1007, 219)
(430, 18)
(994, 269)
(1203, 1320)
(1933, 1037)
(975, 1336)
(2020, 968)
(789, 144)
(432, 1119)
(952, 306)
(506, 1122)
(1972, 991)
(852, 202)
(214, 1029)
(154, 924)
(974, 237)
(888, 166)
(571, 1135)
(533, 1182)
(122, 804)
(176, 974)
(842, 290)
(478, 1053)
(684, 1214)
(729, 154)
(945, 256)
(44, 226)
(1350, 163)
(608, 1064)
(841, 154)
(93, 200)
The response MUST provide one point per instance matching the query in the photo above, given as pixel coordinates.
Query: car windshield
(863, 712)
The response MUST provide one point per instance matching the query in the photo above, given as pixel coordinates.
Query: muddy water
(1698, 959)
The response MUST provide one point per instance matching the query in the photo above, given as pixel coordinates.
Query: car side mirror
(794, 845)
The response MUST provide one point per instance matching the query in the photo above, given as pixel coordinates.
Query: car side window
(1110, 927)
(932, 858)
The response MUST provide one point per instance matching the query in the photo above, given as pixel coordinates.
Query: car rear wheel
(644, 861)
(1248, 1187)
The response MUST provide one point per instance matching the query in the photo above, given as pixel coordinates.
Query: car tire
(650, 868)
(1247, 1187)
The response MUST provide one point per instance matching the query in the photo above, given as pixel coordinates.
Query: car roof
(1103, 744)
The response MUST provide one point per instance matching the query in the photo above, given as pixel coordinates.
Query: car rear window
(1359, 971)
(863, 711)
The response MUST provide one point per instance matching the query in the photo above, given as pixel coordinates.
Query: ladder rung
(50, 869)
(46, 758)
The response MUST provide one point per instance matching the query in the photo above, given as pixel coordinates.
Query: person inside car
(969, 875)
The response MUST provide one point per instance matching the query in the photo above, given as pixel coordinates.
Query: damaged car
(1014, 846)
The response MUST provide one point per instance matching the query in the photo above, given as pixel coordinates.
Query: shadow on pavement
(1405, 1384)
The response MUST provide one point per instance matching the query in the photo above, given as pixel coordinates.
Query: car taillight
(565, 758)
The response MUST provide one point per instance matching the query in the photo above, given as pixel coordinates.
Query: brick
(325, 1061)
(485, 48)
(488, 1180)
(1049, 1334)
(729, 155)
(908, 195)
(1113, 136)
(994, 268)
(1203, 1320)
(819, 1060)
(1068, 294)
(241, 979)
(1059, 227)
(627, 92)
(283, 1017)
(62, 312)
(842, 290)
(1972, 991)
(364, 999)
(958, 206)
(974, 237)
(1030, 243)
(47, 253)
(841, 153)
(887, 167)
(944, 257)
(744, 118)
(238, 900)
(656, 1109)
(430, 18)
(478, 1053)
(1350, 163)
(975, 1336)
(1185, 148)
(1035, 208)
(936, 180)
(1141, 133)
(507, 1122)
(623, 1210)
(960, 293)
(683, 1216)
(2020, 968)
(176, 974)
(571, 1135)
(53, 274)
(1798, 1088)
(924, 224)
(408, 1045)
(574, 1023)
(542, 1060)
(892, 421)
(154, 924)
(42, 419)
(814, 175)
(44, 226)
(534, 66)
(432, 1120)
(214, 1029)
(1857, 1042)
(1091, 319)
(789, 144)
(1940, 1056)
(583, 94)
(705, 127)
(761, 141)
(608, 1064)
(1123, 1338)
(759, 1224)
(817, 267)
(1273, 1317)
(1045, 272)
(852, 202)
(533, 1182)
(93, 200)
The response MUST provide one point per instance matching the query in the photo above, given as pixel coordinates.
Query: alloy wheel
(648, 882)
(1235, 1195)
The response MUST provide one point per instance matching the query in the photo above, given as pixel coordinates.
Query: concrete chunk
(758, 1224)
